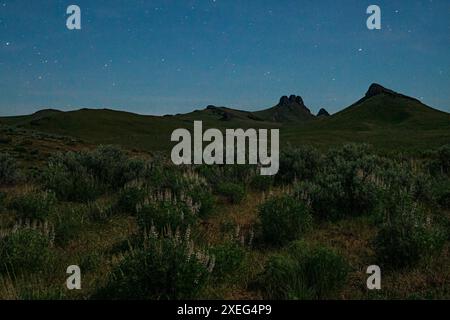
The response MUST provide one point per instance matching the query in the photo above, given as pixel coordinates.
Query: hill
(383, 117)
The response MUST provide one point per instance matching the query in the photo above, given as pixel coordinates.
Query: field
(95, 188)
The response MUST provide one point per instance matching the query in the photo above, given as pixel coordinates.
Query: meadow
(141, 228)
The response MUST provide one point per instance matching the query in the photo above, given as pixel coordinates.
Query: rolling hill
(383, 117)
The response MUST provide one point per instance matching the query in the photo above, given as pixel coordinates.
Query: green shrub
(262, 183)
(229, 259)
(441, 192)
(442, 160)
(90, 261)
(35, 205)
(24, 251)
(300, 163)
(69, 224)
(397, 176)
(304, 272)
(9, 173)
(284, 219)
(165, 268)
(407, 235)
(83, 176)
(344, 186)
(111, 166)
(347, 180)
(70, 183)
(167, 212)
(101, 210)
(129, 198)
(204, 199)
(233, 192)
(183, 183)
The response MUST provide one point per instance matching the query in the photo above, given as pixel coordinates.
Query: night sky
(158, 57)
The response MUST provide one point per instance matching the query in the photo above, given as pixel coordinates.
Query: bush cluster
(304, 271)
(407, 234)
(166, 267)
(24, 251)
(83, 176)
(9, 172)
(284, 219)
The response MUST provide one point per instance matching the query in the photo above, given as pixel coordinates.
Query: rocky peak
(323, 113)
(376, 89)
(292, 99)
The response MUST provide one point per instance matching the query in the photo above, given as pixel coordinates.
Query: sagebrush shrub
(444, 157)
(344, 186)
(262, 183)
(441, 193)
(395, 177)
(304, 271)
(347, 178)
(300, 163)
(9, 172)
(233, 192)
(69, 180)
(34, 205)
(236, 174)
(69, 223)
(407, 234)
(181, 183)
(284, 219)
(112, 166)
(166, 267)
(25, 250)
(101, 210)
(324, 270)
(165, 210)
(203, 197)
(83, 176)
(229, 259)
(130, 197)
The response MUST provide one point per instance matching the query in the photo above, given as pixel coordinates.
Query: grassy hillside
(388, 120)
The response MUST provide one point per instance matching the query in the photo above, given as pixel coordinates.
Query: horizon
(164, 57)
(201, 108)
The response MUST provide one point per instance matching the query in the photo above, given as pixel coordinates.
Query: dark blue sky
(157, 57)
